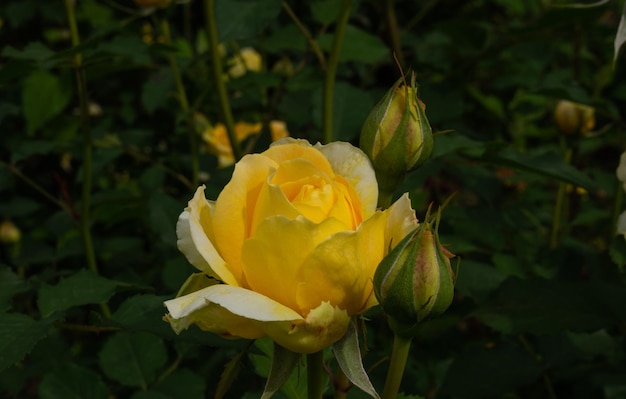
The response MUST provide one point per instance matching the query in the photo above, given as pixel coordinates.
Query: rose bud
(9, 233)
(415, 280)
(572, 118)
(396, 135)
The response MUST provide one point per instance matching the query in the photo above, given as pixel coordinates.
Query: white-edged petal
(352, 163)
(193, 240)
(621, 168)
(621, 224)
(237, 300)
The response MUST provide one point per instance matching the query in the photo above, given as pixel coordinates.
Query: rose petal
(323, 326)
(194, 231)
(234, 209)
(401, 221)
(237, 312)
(227, 310)
(352, 163)
(340, 269)
(288, 148)
(274, 256)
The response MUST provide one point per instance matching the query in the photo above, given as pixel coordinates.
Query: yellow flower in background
(278, 130)
(295, 238)
(572, 118)
(216, 136)
(248, 59)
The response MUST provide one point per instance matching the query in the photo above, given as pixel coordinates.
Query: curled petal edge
(237, 312)
(194, 243)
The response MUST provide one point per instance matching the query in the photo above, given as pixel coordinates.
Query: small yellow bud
(396, 135)
(574, 118)
(9, 233)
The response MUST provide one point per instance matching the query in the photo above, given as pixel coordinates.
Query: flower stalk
(81, 83)
(184, 105)
(331, 71)
(397, 364)
(218, 80)
(315, 375)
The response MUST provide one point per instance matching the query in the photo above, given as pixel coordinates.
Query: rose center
(314, 202)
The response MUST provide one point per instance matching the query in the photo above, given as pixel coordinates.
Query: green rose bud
(415, 280)
(396, 135)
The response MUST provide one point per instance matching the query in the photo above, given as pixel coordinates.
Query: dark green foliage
(539, 311)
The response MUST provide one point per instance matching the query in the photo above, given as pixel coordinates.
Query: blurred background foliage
(539, 310)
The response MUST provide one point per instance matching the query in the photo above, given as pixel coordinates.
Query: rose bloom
(294, 239)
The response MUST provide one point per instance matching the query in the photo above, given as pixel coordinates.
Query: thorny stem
(218, 79)
(331, 71)
(184, 105)
(81, 83)
(305, 32)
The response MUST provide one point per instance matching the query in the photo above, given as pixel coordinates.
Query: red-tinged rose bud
(396, 135)
(415, 281)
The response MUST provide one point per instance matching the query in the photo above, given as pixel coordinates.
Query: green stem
(38, 188)
(305, 32)
(184, 105)
(218, 79)
(559, 206)
(331, 71)
(81, 83)
(342, 384)
(394, 35)
(399, 354)
(315, 375)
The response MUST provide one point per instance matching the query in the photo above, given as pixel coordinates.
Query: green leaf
(325, 11)
(350, 108)
(244, 19)
(284, 362)
(72, 382)
(32, 52)
(544, 307)
(23, 149)
(545, 163)
(486, 371)
(617, 251)
(84, 287)
(18, 336)
(180, 384)
(229, 375)
(478, 280)
(157, 90)
(348, 355)
(360, 46)
(10, 284)
(164, 211)
(43, 98)
(133, 359)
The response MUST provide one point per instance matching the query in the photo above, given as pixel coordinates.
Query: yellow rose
(295, 239)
